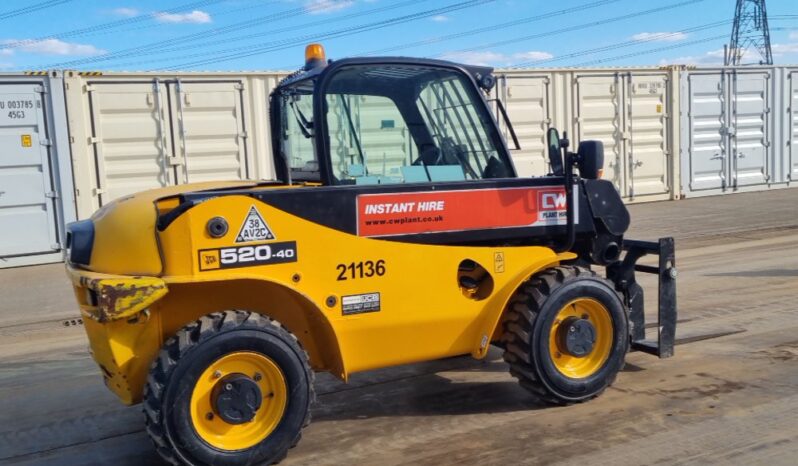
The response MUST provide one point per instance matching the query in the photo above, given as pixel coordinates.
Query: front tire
(233, 388)
(565, 335)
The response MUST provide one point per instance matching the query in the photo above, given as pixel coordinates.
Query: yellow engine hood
(125, 240)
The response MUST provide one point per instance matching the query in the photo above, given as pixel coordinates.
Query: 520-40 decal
(247, 256)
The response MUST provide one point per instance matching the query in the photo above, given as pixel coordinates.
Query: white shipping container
(35, 170)
(136, 131)
(630, 110)
(736, 129)
(789, 115)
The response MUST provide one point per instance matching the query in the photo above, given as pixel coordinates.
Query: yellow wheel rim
(220, 434)
(579, 367)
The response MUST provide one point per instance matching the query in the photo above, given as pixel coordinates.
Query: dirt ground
(730, 398)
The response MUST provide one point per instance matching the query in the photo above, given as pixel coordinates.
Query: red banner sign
(440, 211)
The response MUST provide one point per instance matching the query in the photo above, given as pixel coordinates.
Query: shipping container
(633, 111)
(667, 132)
(788, 112)
(36, 191)
(136, 131)
(737, 128)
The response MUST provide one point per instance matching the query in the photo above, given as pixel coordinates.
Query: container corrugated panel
(35, 177)
(137, 131)
(733, 135)
(382, 140)
(526, 99)
(212, 130)
(789, 113)
(629, 109)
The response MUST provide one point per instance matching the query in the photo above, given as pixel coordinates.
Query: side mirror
(555, 152)
(591, 159)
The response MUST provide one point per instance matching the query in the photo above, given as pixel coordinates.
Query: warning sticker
(498, 262)
(27, 141)
(440, 211)
(360, 303)
(254, 228)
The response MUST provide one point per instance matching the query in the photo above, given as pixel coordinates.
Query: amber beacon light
(314, 56)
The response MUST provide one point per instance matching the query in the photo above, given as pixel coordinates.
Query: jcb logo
(552, 201)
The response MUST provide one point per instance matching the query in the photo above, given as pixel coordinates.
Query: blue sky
(270, 34)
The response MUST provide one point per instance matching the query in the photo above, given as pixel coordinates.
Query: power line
(216, 15)
(111, 24)
(628, 43)
(194, 46)
(287, 43)
(661, 49)
(491, 28)
(577, 27)
(293, 12)
(31, 8)
(633, 42)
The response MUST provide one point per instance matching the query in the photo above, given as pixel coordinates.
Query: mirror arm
(501, 108)
(570, 160)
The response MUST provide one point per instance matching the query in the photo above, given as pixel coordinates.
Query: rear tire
(187, 416)
(541, 317)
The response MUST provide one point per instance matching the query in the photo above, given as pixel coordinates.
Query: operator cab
(383, 121)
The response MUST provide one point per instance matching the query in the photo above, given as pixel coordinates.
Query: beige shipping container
(135, 131)
(633, 111)
(131, 131)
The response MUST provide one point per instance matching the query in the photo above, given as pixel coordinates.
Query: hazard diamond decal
(254, 228)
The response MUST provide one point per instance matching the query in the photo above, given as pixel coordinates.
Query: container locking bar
(622, 273)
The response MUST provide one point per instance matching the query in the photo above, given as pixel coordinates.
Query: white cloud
(52, 47)
(6, 65)
(195, 17)
(488, 58)
(475, 58)
(781, 49)
(6, 52)
(660, 36)
(794, 35)
(440, 18)
(533, 55)
(713, 57)
(124, 11)
(327, 6)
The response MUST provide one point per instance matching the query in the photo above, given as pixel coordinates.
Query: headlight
(80, 240)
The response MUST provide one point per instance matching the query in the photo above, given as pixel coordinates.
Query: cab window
(409, 124)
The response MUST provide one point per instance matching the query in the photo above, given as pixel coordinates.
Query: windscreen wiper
(352, 130)
(304, 123)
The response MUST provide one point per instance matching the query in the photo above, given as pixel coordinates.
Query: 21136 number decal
(362, 269)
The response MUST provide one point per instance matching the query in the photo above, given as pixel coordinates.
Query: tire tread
(186, 340)
(518, 324)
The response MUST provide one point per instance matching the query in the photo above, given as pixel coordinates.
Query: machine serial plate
(360, 303)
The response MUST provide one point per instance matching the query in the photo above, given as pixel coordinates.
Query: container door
(598, 116)
(792, 128)
(384, 137)
(27, 211)
(209, 131)
(647, 125)
(132, 140)
(526, 99)
(708, 140)
(750, 128)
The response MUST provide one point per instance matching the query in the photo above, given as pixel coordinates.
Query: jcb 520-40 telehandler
(397, 231)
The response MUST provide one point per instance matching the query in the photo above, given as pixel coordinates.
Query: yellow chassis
(424, 312)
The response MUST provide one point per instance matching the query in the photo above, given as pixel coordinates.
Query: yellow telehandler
(397, 231)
